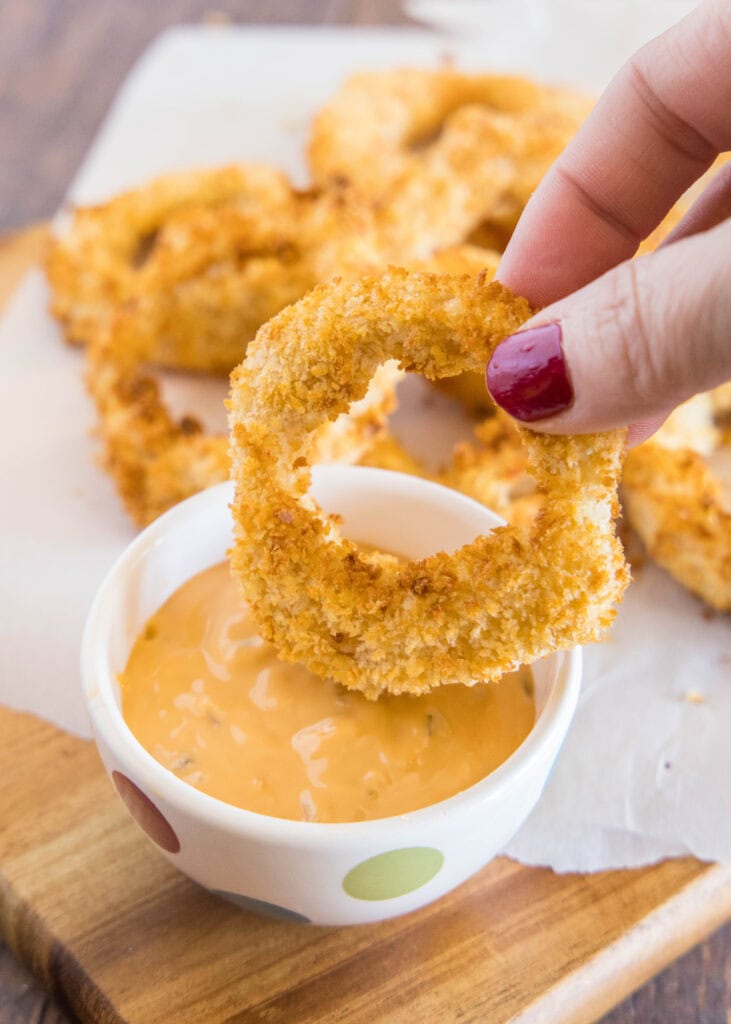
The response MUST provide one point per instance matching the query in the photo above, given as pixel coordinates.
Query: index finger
(658, 126)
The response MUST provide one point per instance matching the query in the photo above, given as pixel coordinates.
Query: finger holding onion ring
(375, 624)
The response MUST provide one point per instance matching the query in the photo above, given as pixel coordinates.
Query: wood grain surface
(60, 63)
(119, 936)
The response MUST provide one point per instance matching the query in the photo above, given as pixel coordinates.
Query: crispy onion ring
(201, 259)
(156, 460)
(676, 503)
(474, 182)
(397, 114)
(223, 261)
(104, 257)
(456, 153)
(198, 261)
(370, 623)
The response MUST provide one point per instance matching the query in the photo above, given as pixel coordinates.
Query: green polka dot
(393, 874)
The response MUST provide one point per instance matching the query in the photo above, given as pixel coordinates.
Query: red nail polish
(527, 374)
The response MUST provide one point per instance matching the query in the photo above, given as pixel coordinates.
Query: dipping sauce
(210, 700)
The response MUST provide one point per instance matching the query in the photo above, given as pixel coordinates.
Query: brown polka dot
(147, 816)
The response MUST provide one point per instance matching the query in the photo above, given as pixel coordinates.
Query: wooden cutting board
(118, 936)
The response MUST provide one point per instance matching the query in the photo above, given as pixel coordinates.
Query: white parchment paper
(645, 770)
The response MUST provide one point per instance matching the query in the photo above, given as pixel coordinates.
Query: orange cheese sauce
(209, 699)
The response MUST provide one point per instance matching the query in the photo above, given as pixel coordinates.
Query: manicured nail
(527, 374)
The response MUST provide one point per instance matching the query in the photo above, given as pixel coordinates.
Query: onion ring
(202, 259)
(174, 311)
(467, 388)
(676, 504)
(370, 623)
(400, 113)
(457, 153)
(156, 460)
(477, 178)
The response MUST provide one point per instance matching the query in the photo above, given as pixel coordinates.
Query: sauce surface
(209, 699)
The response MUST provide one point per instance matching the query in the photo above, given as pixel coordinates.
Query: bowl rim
(108, 722)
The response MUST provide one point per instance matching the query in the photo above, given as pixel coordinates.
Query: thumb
(627, 348)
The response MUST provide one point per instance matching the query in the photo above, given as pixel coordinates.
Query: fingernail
(527, 374)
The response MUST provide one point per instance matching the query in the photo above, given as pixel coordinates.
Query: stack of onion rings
(223, 260)
(375, 624)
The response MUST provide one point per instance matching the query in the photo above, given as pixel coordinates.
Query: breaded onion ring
(156, 460)
(676, 504)
(375, 625)
(474, 182)
(467, 388)
(103, 258)
(201, 259)
(396, 114)
(448, 152)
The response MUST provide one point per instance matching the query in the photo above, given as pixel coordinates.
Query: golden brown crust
(468, 389)
(505, 599)
(199, 260)
(456, 153)
(230, 248)
(113, 253)
(676, 504)
(181, 272)
(400, 113)
(156, 460)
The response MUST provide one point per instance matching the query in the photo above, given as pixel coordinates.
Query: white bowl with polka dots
(329, 874)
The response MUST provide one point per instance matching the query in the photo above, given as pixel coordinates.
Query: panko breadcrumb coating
(401, 113)
(374, 624)
(197, 261)
(467, 388)
(676, 504)
(156, 460)
(230, 248)
(183, 270)
(444, 145)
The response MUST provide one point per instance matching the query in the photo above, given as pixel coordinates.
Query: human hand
(638, 336)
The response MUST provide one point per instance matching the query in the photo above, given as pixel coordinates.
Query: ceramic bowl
(330, 874)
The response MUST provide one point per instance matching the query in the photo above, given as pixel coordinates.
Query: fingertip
(527, 374)
(642, 430)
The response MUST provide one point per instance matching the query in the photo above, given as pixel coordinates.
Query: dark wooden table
(61, 61)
